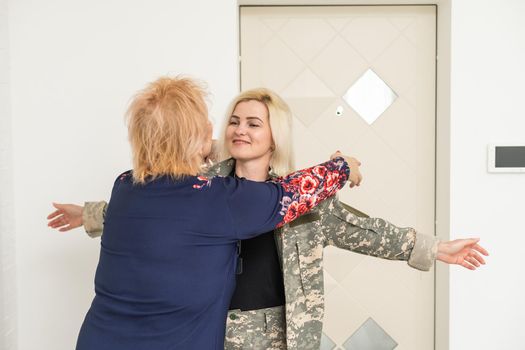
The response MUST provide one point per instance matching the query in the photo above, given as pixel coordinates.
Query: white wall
(487, 308)
(7, 233)
(74, 66)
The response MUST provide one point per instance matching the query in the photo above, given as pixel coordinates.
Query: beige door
(360, 79)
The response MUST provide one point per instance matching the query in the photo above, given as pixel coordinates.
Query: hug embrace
(227, 255)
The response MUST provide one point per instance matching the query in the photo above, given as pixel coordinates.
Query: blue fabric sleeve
(257, 207)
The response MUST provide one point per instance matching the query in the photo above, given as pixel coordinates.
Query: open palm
(66, 217)
(465, 252)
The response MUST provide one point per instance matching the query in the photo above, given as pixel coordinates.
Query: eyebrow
(249, 118)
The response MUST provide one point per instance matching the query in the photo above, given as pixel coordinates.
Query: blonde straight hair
(280, 118)
(167, 128)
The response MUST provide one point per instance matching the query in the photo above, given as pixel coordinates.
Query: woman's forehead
(250, 109)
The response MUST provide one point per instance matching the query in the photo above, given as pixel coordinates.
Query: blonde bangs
(280, 117)
(167, 128)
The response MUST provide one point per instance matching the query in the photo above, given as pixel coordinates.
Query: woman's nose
(240, 130)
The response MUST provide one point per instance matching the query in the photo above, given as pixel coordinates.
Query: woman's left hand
(464, 252)
(354, 164)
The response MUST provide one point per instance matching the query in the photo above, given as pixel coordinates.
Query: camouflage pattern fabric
(257, 329)
(300, 247)
(93, 218)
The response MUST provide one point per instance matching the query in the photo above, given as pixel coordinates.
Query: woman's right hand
(354, 164)
(66, 217)
(465, 252)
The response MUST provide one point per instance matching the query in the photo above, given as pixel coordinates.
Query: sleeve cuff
(93, 218)
(424, 252)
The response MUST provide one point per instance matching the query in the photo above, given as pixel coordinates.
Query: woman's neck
(254, 170)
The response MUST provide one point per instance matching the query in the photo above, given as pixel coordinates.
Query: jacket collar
(226, 167)
(223, 168)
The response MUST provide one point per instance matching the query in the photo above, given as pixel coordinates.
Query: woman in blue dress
(168, 255)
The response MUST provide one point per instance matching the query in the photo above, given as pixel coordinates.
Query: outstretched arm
(69, 216)
(380, 238)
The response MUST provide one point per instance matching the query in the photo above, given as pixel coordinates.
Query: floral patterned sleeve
(305, 189)
(257, 207)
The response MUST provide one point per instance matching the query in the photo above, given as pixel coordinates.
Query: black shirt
(259, 277)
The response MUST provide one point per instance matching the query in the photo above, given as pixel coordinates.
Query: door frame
(442, 146)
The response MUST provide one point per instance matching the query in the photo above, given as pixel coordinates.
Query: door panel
(312, 56)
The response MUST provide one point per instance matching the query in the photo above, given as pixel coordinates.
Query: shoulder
(223, 168)
(217, 182)
(326, 206)
(125, 175)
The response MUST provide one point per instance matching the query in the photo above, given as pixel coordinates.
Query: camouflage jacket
(300, 247)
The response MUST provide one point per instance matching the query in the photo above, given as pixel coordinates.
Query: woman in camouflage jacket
(257, 138)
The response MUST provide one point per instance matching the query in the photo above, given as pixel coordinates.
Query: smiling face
(248, 134)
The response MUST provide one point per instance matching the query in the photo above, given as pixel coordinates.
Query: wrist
(441, 251)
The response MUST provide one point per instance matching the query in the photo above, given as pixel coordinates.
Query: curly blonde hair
(167, 127)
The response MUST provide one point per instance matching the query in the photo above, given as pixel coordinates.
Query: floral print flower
(319, 171)
(309, 184)
(308, 187)
(205, 182)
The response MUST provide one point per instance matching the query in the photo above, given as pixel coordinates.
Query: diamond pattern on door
(267, 75)
(396, 65)
(338, 23)
(370, 336)
(274, 24)
(370, 35)
(326, 343)
(308, 97)
(370, 96)
(338, 53)
(402, 22)
(306, 46)
(311, 56)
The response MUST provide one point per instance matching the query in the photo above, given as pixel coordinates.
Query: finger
(53, 214)
(54, 221)
(468, 241)
(60, 221)
(58, 205)
(473, 261)
(478, 257)
(65, 228)
(59, 225)
(467, 265)
(480, 249)
(55, 224)
(335, 155)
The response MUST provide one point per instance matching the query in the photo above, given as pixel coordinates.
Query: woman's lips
(240, 142)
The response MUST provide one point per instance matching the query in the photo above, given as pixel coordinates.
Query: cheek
(228, 137)
(228, 134)
(266, 138)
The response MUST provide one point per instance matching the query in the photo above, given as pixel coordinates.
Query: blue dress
(166, 272)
